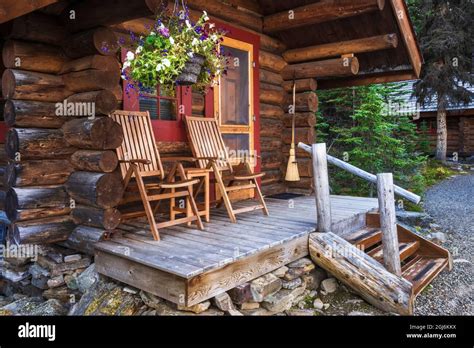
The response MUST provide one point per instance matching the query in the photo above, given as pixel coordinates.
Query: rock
(264, 286)
(212, 312)
(282, 300)
(357, 313)
(234, 313)
(40, 282)
(293, 273)
(22, 306)
(60, 268)
(150, 300)
(318, 304)
(300, 313)
(72, 258)
(249, 305)
(292, 284)
(280, 272)
(413, 218)
(304, 264)
(166, 309)
(313, 293)
(326, 306)
(197, 308)
(71, 281)
(314, 278)
(49, 308)
(62, 294)
(437, 237)
(130, 290)
(56, 281)
(223, 302)
(14, 276)
(87, 279)
(329, 285)
(258, 312)
(241, 294)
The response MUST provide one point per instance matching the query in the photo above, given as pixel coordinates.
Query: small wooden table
(203, 207)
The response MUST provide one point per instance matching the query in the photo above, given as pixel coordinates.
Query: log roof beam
(369, 44)
(10, 9)
(347, 66)
(319, 12)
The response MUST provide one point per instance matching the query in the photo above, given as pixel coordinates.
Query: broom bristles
(292, 173)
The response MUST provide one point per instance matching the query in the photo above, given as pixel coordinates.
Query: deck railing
(386, 191)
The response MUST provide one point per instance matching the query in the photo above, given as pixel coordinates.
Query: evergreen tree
(446, 34)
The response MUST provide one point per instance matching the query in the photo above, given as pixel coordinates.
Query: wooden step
(365, 237)
(406, 249)
(423, 271)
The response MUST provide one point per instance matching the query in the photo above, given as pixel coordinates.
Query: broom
(292, 173)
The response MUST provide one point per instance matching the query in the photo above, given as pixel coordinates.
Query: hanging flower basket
(176, 52)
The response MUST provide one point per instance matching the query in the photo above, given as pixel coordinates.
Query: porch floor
(189, 265)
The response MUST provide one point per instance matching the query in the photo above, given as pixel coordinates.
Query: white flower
(152, 33)
(206, 17)
(171, 40)
(166, 62)
(195, 42)
(130, 56)
(212, 25)
(159, 67)
(188, 24)
(139, 49)
(126, 65)
(191, 54)
(213, 37)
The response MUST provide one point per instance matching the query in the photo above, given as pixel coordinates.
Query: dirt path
(451, 204)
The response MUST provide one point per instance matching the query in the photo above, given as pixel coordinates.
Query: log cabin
(60, 182)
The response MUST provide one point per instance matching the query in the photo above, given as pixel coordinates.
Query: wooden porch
(189, 266)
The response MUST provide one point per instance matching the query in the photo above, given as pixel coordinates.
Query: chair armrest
(133, 161)
(207, 158)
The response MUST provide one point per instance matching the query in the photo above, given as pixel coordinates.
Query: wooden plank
(423, 271)
(152, 280)
(209, 284)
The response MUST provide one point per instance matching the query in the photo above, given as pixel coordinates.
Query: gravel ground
(451, 204)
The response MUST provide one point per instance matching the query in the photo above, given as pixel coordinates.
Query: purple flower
(164, 31)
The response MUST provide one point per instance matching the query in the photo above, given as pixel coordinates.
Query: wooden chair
(140, 160)
(210, 152)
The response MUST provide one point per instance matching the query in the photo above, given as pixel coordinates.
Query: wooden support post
(321, 187)
(391, 255)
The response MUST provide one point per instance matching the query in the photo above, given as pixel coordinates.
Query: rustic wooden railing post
(386, 195)
(321, 187)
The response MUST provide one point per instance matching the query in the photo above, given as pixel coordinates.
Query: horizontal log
(13, 9)
(173, 147)
(362, 273)
(272, 97)
(307, 119)
(83, 239)
(96, 62)
(28, 113)
(103, 218)
(118, 92)
(104, 102)
(270, 143)
(270, 77)
(100, 133)
(34, 143)
(33, 56)
(271, 160)
(318, 13)
(363, 174)
(305, 184)
(271, 111)
(91, 80)
(368, 44)
(305, 102)
(35, 198)
(227, 12)
(35, 27)
(270, 44)
(305, 167)
(368, 79)
(92, 13)
(300, 133)
(102, 190)
(339, 67)
(99, 40)
(273, 189)
(41, 231)
(38, 213)
(271, 61)
(37, 172)
(299, 152)
(28, 85)
(270, 127)
(95, 161)
(302, 85)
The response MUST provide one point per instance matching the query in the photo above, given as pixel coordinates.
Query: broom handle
(294, 116)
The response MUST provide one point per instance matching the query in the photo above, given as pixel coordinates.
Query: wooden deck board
(187, 252)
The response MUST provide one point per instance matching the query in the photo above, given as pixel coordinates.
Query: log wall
(58, 89)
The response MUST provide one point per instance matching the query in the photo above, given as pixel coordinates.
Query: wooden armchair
(140, 160)
(210, 152)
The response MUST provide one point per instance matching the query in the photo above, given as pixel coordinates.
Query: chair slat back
(139, 142)
(206, 141)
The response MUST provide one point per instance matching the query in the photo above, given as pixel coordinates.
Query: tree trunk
(442, 130)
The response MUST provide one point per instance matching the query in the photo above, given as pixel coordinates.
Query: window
(161, 106)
